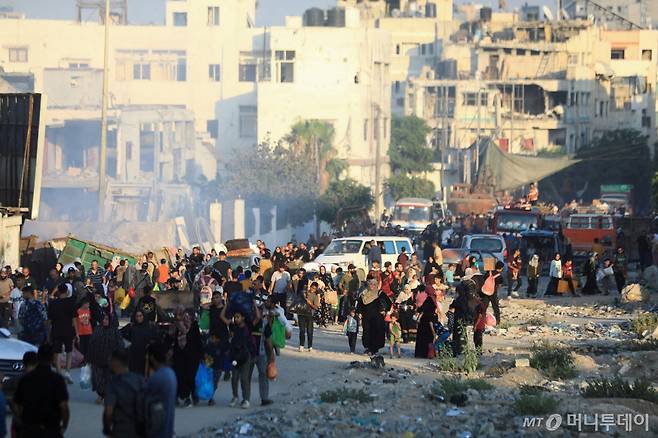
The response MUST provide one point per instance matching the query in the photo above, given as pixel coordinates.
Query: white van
(341, 252)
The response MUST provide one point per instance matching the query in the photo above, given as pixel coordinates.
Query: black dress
(406, 311)
(139, 336)
(424, 335)
(591, 287)
(374, 327)
(186, 361)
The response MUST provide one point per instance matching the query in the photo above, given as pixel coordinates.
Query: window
(573, 59)
(213, 72)
(285, 61)
(18, 54)
(646, 55)
(212, 126)
(617, 53)
(142, 72)
(365, 129)
(397, 86)
(427, 49)
(399, 101)
(399, 244)
(247, 73)
(78, 65)
(180, 19)
(470, 99)
(181, 70)
(388, 246)
(397, 49)
(213, 15)
(248, 121)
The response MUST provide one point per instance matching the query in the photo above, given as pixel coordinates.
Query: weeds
(446, 361)
(644, 323)
(643, 345)
(555, 361)
(344, 394)
(471, 360)
(532, 390)
(536, 321)
(535, 404)
(504, 324)
(453, 390)
(618, 388)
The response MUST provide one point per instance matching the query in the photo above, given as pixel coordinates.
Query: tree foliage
(401, 186)
(346, 193)
(618, 157)
(314, 139)
(408, 151)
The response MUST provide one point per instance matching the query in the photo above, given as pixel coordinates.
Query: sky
(270, 12)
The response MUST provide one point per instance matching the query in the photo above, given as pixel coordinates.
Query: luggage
(563, 286)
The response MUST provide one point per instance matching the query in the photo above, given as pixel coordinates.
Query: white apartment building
(240, 84)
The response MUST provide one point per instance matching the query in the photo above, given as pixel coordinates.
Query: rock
(487, 430)
(522, 362)
(624, 369)
(634, 292)
(502, 332)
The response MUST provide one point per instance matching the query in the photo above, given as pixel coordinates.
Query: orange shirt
(84, 322)
(163, 273)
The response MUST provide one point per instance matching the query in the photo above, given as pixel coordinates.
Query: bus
(412, 214)
(582, 229)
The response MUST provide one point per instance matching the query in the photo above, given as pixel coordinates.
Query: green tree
(346, 193)
(408, 151)
(400, 186)
(310, 138)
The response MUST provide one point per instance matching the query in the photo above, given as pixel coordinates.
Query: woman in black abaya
(372, 305)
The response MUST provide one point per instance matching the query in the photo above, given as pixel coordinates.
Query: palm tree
(314, 139)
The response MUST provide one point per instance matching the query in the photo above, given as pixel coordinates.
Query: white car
(11, 354)
(352, 250)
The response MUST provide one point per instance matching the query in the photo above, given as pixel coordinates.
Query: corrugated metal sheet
(20, 151)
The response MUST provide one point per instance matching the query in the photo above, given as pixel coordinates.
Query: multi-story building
(208, 76)
(614, 14)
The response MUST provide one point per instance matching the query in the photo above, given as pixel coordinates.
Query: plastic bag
(203, 382)
(85, 377)
(278, 334)
(204, 320)
(125, 303)
(272, 372)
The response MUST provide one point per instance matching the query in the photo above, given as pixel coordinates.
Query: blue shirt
(162, 385)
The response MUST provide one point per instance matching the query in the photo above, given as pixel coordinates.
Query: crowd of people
(238, 319)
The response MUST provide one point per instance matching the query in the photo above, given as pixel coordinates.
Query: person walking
(123, 394)
(242, 354)
(351, 329)
(140, 333)
(514, 274)
(161, 388)
(41, 399)
(32, 318)
(555, 274)
(589, 271)
(375, 254)
(188, 350)
(533, 273)
(372, 309)
(6, 286)
(264, 354)
(488, 292)
(620, 267)
(103, 342)
(305, 317)
(63, 328)
(567, 275)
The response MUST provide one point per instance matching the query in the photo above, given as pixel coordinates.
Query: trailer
(88, 251)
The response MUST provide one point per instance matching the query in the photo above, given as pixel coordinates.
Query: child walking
(395, 331)
(480, 325)
(351, 329)
(214, 353)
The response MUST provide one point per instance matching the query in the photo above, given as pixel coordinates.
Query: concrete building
(614, 14)
(208, 69)
(554, 86)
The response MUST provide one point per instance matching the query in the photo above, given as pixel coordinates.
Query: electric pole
(103, 152)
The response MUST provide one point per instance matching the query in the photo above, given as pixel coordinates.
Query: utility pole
(103, 153)
(378, 134)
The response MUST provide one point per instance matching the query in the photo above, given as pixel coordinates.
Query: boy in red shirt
(83, 322)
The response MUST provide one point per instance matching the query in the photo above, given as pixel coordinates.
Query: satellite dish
(547, 13)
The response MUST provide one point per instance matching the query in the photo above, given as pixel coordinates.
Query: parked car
(11, 360)
(343, 251)
(489, 243)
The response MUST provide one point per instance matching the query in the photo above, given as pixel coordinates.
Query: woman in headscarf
(406, 310)
(140, 333)
(555, 273)
(589, 271)
(425, 335)
(330, 297)
(187, 355)
(533, 273)
(373, 305)
(104, 341)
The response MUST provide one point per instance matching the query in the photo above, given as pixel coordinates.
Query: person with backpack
(462, 310)
(123, 412)
(489, 290)
(160, 394)
(264, 351)
(32, 317)
(241, 351)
